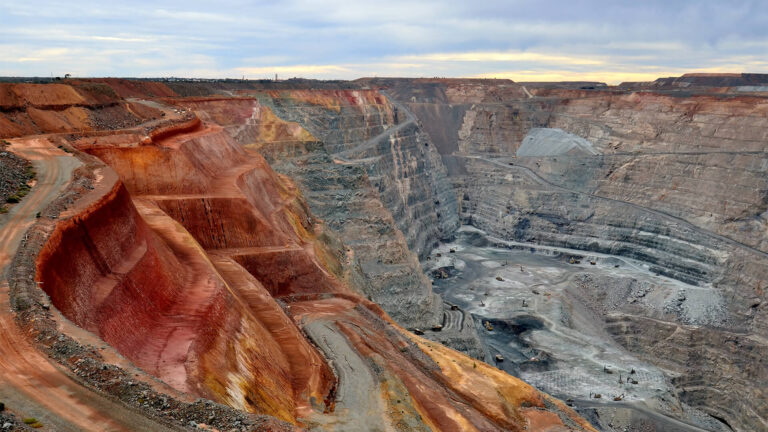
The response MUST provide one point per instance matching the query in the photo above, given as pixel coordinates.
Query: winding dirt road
(31, 385)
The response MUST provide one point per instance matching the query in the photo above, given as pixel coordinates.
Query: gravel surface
(14, 173)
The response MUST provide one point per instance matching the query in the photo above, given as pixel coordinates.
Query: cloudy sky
(523, 40)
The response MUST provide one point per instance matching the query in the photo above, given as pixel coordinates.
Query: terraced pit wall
(370, 174)
(404, 166)
(192, 239)
(679, 184)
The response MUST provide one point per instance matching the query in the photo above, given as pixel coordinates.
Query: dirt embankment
(75, 106)
(130, 88)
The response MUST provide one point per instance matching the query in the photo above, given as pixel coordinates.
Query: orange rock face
(127, 267)
(205, 268)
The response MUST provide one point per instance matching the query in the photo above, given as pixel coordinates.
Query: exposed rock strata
(680, 185)
(401, 163)
(380, 206)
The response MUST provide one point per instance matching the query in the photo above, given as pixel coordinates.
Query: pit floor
(545, 336)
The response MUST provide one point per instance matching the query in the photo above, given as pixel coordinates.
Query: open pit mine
(384, 255)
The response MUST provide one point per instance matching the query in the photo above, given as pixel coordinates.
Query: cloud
(567, 39)
(493, 57)
(295, 70)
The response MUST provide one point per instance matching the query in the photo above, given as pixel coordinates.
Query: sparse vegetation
(23, 189)
(21, 192)
(29, 420)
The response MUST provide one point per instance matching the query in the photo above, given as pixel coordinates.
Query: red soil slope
(124, 269)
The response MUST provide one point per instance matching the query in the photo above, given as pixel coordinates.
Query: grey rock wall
(681, 186)
(377, 181)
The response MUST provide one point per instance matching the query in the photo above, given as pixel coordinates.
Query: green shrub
(21, 192)
(30, 172)
(29, 420)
